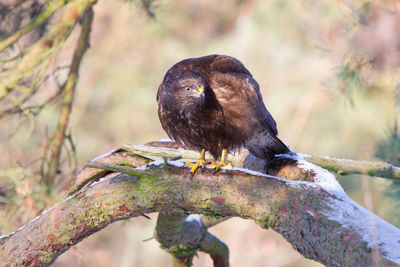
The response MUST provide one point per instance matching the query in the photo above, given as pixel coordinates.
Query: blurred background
(328, 71)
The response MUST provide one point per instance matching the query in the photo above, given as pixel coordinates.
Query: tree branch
(52, 7)
(37, 57)
(348, 166)
(339, 166)
(308, 207)
(182, 236)
(53, 148)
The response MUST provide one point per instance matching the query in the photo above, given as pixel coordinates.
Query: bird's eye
(187, 89)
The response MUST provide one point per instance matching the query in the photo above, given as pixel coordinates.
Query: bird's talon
(218, 165)
(215, 170)
(202, 168)
(200, 164)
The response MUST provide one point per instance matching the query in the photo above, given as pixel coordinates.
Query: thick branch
(314, 214)
(182, 236)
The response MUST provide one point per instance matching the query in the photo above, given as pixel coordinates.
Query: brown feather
(230, 113)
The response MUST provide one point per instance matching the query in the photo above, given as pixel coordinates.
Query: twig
(40, 52)
(52, 7)
(167, 152)
(116, 168)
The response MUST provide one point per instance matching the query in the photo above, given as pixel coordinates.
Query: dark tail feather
(266, 146)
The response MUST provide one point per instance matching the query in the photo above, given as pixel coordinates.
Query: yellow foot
(201, 163)
(218, 165)
(196, 165)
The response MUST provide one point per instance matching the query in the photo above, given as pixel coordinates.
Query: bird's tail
(266, 145)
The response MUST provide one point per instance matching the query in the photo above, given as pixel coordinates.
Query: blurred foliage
(21, 196)
(388, 149)
(310, 57)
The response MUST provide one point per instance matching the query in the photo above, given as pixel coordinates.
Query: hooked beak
(199, 93)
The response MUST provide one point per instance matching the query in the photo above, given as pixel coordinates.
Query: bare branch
(52, 7)
(348, 166)
(35, 59)
(53, 148)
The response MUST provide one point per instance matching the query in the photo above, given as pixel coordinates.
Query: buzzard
(214, 104)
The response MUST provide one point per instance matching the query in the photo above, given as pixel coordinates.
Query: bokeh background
(325, 75)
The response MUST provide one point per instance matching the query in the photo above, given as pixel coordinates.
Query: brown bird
(214, 104)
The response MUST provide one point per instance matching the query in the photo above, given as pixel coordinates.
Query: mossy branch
(349, 166)
(53, 148)
(310, 210)
(339, 166)
(183, 236)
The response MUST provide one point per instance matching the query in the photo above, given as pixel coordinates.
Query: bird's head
(186, 90)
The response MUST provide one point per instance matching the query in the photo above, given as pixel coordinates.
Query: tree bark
(306, 205)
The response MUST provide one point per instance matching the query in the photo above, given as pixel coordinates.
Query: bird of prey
(214, 104)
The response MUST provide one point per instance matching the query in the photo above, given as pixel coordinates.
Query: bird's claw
(200, 164)
(218, 165)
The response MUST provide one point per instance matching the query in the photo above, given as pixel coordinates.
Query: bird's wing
(227, 64)
(249, 87)
(262, 112)
(239, 94)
